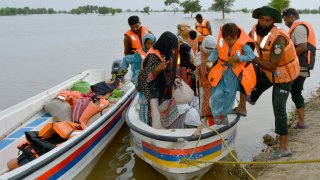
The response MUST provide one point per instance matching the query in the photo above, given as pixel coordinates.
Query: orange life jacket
(289, 68)
(91, 110)
(307, 59)
(153, 51)
(135, 39)
(202, 29)
(244, 71)
(34, 146)
(64, 129)
(142, 54)
(70, 96)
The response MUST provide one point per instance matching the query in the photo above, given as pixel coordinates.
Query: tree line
(26, 10)
(188, 6)
(224, 6)
(9, 11)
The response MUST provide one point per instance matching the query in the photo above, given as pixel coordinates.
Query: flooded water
(40, 51)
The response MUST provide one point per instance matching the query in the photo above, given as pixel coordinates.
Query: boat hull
(79, 154)
(165, 149)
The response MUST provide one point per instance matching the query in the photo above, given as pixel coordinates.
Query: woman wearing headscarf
(157, 78)
(208, 44)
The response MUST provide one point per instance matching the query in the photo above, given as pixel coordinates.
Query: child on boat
(135, 61)
(231, 59)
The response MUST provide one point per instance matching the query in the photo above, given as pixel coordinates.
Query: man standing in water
(280, 67)
(303, 37)
(133, 38)
(203, 27)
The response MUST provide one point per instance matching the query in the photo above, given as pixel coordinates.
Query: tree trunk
(191, 15)
(223, 11)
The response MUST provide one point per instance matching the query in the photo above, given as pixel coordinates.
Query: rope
(257, 162)
(232, 155)
(188, 160)
(193, 162)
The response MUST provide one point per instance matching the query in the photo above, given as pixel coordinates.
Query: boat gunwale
(191, 137)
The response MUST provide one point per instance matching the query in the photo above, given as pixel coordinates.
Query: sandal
(279, 154)
(298, 126)
(234, 111)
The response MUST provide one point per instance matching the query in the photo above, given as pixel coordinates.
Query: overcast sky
(139, 4)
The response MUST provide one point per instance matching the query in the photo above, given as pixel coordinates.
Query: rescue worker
(133, 38)
(303, 37)
(280, 67)
(203, 27)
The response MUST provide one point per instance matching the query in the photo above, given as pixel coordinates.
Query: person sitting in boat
(157, 75)
(230, 59)
(136, 59)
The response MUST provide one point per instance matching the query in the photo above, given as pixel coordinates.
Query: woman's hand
(161, 67)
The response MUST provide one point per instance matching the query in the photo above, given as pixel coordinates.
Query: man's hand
(233, 59)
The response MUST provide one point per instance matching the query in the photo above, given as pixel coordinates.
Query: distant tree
(76, 11)
(112, 11)
(103, 10)
(280, 5)
(222, 5)
(244, 10)
(172, 3)
(51, 11)
(26, 10)
(146, 10)
(314, 11)
(191, 6)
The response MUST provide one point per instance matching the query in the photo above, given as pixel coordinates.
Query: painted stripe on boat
(181, 151)
(176, 158)
(5, 142)
(177, 164)
(39, 121)
(20, 132)
(65, 165)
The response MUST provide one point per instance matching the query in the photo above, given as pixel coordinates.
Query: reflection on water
(40, 51)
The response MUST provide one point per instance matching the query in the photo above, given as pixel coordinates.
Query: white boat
(76, 157)
(164, 148)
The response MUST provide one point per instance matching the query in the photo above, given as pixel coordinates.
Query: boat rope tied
(193, 162)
